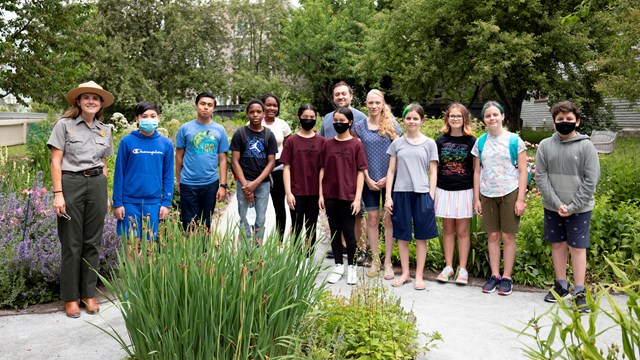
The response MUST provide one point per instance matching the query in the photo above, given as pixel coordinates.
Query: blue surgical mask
(148, 124)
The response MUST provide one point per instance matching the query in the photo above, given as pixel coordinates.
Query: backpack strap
(481, 141)
(513, 149)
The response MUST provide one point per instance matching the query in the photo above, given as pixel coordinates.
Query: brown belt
(87, 173)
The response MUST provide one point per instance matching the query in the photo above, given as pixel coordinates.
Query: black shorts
(574, 229)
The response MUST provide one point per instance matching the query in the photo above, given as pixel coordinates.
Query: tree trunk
(515, 121)
(512, 105)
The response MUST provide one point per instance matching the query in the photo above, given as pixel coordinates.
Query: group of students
(355, 163)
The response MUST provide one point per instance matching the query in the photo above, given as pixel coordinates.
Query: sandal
(388, 272)
(419, 286)
(374, 270)
(399, 283)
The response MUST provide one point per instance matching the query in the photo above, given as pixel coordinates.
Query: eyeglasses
(65, 215)
(455, 117)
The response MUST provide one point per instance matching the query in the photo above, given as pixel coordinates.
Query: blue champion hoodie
(144, 170)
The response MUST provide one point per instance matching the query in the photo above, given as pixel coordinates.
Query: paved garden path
(472, 323)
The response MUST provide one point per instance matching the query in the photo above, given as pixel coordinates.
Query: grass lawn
(17, 151)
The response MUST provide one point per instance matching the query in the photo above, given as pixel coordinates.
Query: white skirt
(454, 204)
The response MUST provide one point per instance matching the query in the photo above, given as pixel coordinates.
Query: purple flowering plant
(30, 247)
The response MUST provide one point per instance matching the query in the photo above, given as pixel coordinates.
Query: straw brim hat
(89, 87)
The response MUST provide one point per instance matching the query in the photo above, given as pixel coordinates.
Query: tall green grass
(572, 335)
(205, 296)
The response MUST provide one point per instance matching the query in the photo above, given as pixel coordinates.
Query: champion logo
(152, 152)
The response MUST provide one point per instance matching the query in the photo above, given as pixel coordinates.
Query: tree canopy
(415, 50)
(42, 43)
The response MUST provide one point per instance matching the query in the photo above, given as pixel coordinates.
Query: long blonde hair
(386, 128)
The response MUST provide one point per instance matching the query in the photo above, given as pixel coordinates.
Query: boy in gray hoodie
(567, 171)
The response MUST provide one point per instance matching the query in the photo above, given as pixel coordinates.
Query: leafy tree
(321, 43)
(619, 63)
(158, 50)
(256, 65)
(41, 48)
(466, 50)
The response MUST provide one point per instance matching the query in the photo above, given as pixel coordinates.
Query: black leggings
(305, 214)
(278, 199)
(341, 222)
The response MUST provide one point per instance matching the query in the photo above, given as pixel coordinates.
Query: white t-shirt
(280, 130)
(498, 176)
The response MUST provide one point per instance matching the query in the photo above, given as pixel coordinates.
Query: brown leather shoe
(91, 305)
(72, 309)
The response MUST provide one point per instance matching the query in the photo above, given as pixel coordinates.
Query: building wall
(537, 115)
(13, 127)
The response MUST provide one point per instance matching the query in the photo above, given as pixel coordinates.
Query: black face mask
(341, 127)
(565, 128)
(307, 124)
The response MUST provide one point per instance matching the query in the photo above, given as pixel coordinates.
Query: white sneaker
(352, 276)
(336, 274)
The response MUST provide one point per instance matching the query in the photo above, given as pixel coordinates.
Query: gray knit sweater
(567, 173)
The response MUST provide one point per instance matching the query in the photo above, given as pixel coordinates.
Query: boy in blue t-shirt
(201, 147)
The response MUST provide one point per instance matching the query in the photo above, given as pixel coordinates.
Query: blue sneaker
(506, 287)
(491, 285)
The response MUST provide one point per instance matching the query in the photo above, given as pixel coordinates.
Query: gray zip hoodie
(567, 172)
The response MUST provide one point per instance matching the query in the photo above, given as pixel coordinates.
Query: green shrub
(181, 111)
(535, 136)
(205, 296)
(37, 136)
(533, 255)
(620, 170)
(371, 324)
(615, 236)
(570, 337)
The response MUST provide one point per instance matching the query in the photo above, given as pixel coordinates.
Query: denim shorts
(574, 229)
(371, 198)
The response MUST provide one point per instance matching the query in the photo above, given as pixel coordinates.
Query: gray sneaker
(560, 291)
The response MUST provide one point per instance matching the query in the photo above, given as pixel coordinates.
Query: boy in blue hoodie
(567, 171)
(143, 176)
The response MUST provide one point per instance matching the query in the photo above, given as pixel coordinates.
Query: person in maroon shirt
(343, 162)
(301, 159)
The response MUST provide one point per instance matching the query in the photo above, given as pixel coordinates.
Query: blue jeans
(197, 203)
(261, 200)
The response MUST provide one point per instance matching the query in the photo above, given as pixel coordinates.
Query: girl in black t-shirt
(454, 192)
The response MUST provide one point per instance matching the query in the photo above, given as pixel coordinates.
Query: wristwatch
(224, 186)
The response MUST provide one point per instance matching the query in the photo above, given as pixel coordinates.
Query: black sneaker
(580, 300)
(560, 291)
(330, 254)
(491, 285)
(506, 287)
(361, 257)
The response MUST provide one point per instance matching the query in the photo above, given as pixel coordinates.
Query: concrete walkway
(472, 323)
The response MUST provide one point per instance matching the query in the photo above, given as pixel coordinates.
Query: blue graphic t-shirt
(202, 143)
(455, 169)
(254, 148)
